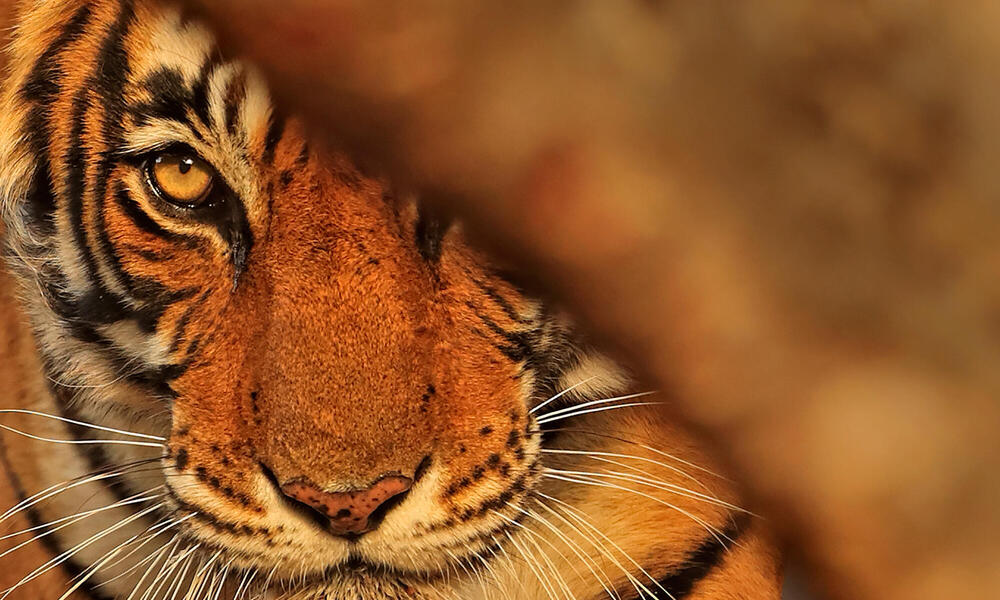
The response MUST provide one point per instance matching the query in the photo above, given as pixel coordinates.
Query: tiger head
(349, 395)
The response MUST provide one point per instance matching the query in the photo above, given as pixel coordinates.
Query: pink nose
(355, 512)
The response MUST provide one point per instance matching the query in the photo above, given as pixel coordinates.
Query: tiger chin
(235, 366)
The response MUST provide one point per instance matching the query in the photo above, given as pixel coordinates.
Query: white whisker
(575, 514)
(575, 407)
(188, 559)
(60, 559)
(596, 454)
(158, 554)
(530, 562)
(580, 413)
(81, 423)
(654, 483)
(83, 442)
(150, 535)
(561, 394)
(714, 531)
(60, 488)
(555, 571)
(653, 449)
(76, 519)
(587, 561)
(509, 564)
(79, 516)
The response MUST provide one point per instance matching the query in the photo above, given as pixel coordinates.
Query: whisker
(530, 562)
(555, 571)
(598, 402)
(60, 559)
(245, 584)
(587, 561)
(168, 566)
(576, 513)
(509, 564)
(83, 442)
(158, 554)
(85, 576)
(81, 423)
(460, 563)
(715, 532)
(561, 394)
(65, 486)
(641, 445)
(150, 535)
(202, 575)
(76, 519)
(80, 515)
(189, 559)
(497, 581)
(595, 454)
(653, 483)
(596, 543)
(589, 411)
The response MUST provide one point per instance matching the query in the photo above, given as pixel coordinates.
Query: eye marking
(181, 178)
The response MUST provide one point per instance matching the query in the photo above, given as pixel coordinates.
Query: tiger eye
(182, 178)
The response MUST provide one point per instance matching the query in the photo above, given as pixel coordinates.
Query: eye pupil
(181, 178)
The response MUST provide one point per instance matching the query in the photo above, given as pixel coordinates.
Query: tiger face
(339, 397)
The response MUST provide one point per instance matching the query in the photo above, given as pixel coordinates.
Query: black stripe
(39, 211)
(42, 84)
(275, 130)
(547, 350)
(182, 322)
(40, 89)
(200, 92)
(699, 563)
(429, 230)
(235, 93)
(75, 181)
(146, 223)
(303, 158)
(168, 98)
(520, 346)
(110, 77)
(500, 301)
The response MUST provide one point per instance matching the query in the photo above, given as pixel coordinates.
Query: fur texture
(306, 325)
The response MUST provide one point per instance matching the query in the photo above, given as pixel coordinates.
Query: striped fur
(306, 324)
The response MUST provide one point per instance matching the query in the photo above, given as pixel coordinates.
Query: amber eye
(181, 178)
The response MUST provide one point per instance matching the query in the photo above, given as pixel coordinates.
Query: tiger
(236, 364)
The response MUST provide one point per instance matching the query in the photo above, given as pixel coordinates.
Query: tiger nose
(354, 512)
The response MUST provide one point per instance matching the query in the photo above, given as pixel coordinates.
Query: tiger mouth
(358, 573)
(359, 568)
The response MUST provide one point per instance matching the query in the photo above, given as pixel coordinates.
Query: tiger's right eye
(183, 179)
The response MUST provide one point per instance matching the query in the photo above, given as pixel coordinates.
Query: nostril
(303, 509)
(350, 513)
